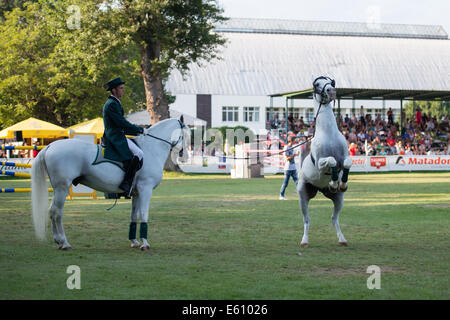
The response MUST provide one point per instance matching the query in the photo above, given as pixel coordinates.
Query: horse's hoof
(135, 244)
(343, 244)
(304, 245)
(332, 190)
(66, 248)
(145, 248)
(343, 188)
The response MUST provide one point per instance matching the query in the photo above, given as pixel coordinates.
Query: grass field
(217, 238)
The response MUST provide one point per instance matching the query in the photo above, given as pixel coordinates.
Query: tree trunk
(157, 105)
(156, 100)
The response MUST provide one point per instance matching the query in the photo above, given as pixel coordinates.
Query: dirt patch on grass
(438, 206)
(348, 272)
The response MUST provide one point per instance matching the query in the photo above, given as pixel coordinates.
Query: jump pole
(22, 147)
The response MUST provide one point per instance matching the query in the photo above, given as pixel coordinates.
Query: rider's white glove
(147, 130)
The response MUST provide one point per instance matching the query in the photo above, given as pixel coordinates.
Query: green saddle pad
(100, 158)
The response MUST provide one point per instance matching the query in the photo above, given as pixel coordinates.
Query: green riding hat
(114, 83)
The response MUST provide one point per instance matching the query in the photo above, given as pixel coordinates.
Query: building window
(251, 114)
(310, 115)
(230, 114)
(277, 112)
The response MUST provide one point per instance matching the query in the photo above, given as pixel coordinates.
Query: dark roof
(372, 94)
(332, 28)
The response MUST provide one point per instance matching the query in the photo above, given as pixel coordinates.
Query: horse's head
(180, 138)
(324, 90)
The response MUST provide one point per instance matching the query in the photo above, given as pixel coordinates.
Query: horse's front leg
(343, 184)
(133, 223)
(324, 164)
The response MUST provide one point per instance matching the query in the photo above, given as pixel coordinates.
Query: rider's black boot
(131, 167)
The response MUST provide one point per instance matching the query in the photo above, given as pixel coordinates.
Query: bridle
(171, 143)
(322, 93)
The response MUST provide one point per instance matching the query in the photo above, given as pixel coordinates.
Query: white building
(264, 57)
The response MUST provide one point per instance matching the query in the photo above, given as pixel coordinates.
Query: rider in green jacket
(117, 146)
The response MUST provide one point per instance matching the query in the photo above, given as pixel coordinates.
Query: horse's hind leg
(56, 214)
(305, 193)
(133, 223)
(338, 201)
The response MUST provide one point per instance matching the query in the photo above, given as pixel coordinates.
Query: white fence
(275, 164)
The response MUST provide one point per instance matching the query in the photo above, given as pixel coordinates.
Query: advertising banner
(400, 163)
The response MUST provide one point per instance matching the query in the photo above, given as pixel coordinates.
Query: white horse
(67, 160)
(326, 167)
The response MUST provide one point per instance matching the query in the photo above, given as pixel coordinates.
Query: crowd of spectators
(19, 153)
(420, 135)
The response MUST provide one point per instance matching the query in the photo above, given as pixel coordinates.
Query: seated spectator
(352, 149)
(408, 151)
(390, 141)
(35, 152)
(352, 137)
(346, 119)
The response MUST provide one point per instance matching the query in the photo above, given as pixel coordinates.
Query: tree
(170, 34)
(51, 72)
(9, 5)
(57, 73)
(436, 109)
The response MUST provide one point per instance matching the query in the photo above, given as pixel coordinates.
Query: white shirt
(289, 165)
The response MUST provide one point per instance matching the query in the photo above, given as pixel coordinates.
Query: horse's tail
(39, 195)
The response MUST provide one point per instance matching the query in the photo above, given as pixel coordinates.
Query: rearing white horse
(67, 160)
(326, 167)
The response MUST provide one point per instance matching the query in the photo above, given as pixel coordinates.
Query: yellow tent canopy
(92, 126)
(34, 128)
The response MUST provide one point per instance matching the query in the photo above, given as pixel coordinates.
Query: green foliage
(172, 33)
(56, 73)
(9, 5)
(223, 131)
(433, 108)
(51, 72)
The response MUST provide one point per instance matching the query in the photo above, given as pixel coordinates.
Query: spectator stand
(376, 129)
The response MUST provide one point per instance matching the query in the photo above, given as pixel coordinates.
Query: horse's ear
(182, 119)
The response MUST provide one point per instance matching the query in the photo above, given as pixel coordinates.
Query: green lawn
(217, 238)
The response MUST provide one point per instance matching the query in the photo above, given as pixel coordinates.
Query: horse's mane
(157, 125)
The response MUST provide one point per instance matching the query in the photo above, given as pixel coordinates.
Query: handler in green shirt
(117, 146)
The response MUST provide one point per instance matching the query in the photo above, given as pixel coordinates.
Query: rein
(171, 144)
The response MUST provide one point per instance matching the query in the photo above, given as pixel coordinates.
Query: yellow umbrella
(92, 126)
(34, 128)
